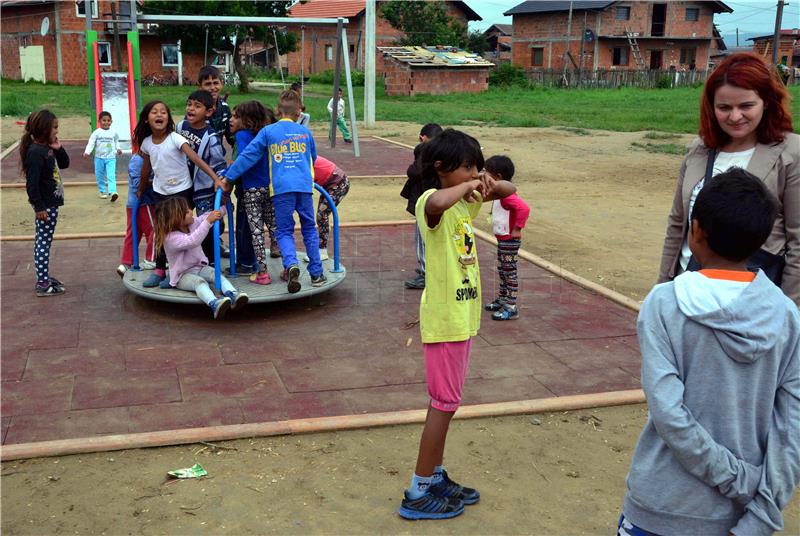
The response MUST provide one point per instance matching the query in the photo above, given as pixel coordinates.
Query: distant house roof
(795, 32)
(19, 3)
(718, 38)
(350, 8)
(438, 56)
(537, 6)
(505, 29)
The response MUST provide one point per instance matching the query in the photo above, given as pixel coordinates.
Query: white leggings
(198, 283)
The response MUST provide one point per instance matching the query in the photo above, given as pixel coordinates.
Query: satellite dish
(45, 26)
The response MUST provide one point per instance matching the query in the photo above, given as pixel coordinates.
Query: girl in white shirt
(165, 153)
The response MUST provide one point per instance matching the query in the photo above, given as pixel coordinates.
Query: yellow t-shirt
(450, 308)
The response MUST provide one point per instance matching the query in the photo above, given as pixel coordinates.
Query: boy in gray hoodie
(720, 452)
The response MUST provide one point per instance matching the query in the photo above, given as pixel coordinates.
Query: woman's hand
(42, 215)
(214, 216)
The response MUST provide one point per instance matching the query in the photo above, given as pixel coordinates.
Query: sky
(750, 16)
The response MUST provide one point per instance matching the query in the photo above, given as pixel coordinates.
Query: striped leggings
(507, 251)
(337, 187)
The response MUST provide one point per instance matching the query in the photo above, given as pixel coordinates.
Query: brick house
(663, 35)
(437, 70)
(318, 54)
(499, 36)
(60, 54)
(788, 47)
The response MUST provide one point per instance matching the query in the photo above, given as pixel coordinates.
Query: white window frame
(95, 14)
(99, 55)
(162, 54)
(328, 52)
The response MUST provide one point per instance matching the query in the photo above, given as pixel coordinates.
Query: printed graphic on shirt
(59, 193)
(291, 150)
(465, 245)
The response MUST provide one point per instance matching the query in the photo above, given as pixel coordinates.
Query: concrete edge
(612, 295)
(10, 149)
(393, 142)
(86, 445)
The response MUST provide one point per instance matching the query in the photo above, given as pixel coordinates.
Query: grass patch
(665, 148)
(660, 136)
(575, 130)
(623, 110)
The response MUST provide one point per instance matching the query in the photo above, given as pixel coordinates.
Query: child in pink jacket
(181, 235)
(508, 218)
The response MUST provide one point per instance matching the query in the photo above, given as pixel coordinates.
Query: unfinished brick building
(433, 71)
(318, 53)
(614, 35)
(788, 47)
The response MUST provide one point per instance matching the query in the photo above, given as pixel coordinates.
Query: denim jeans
(285, 207)
(105, 171)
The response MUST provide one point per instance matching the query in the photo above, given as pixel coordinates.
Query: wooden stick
(8, 150)
(84, 445)
(400, 143)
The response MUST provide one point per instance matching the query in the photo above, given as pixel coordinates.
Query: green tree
(223, 37)
(424, 23)
(477, 42)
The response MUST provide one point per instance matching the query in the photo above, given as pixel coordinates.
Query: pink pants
(144, 224)
(446, 365)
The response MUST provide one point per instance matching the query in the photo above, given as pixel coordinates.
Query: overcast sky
(750, 16)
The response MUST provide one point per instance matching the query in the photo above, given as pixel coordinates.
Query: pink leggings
(446, 365)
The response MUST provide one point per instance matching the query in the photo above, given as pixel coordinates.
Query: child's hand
(471, 196)
(488, 182)
(214, 216)
(86, 155)
(516, 233)
(119, 152)
(42, 215)
(227, 187)
(55, 144)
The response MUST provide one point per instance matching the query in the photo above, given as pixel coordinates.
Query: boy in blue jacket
(720, 452)
(291, 150)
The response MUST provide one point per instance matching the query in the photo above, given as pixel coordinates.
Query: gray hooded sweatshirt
(720, 451)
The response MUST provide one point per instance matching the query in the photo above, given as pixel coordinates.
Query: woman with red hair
(744, 122)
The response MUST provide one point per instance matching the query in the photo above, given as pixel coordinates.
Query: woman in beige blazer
(746, 122)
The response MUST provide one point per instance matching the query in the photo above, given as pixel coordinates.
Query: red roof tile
(328, 8)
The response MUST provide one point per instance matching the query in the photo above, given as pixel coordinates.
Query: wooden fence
(613, 78)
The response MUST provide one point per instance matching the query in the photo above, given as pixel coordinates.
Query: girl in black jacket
(41, 156)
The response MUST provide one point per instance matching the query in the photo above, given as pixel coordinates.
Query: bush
(260, 73)
(665, 82)
(507, 75)
(326, 77)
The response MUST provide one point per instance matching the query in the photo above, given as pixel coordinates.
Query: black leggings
(161, 256)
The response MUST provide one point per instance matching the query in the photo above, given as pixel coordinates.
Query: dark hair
(203, 97)
(500, 165)
(289, 103)
(430, 130)
(143, 130)
(296, 86)
(737, 213)
(37, 130)
(104, 114)
(253, 115)
(206, 72)
(747, 70)
(451, 149)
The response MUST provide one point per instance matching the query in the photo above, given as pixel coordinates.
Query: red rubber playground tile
(100, 360)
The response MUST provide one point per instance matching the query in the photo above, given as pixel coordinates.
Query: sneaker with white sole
(147, 265)
(121, 269)
(220, 307)
(430, 506)
(323, 255)
(49, 289)
(114, 196)
(319, 280)
(101, 195)
(293, 279)
(508, 312)
(238, 299)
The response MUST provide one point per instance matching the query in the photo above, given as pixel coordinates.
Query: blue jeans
(105, 171)
(285, 207)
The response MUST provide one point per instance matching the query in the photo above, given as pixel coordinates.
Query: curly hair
(253, 115)
(747, 70)
(169, 217)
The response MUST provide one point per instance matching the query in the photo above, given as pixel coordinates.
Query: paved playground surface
(100, 360)
(377, 158)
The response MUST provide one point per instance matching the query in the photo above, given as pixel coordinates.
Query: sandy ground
(599, 210)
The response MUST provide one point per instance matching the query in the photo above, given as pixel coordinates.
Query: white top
(170, 168)
(722, 163)
(105, 143)
(339, 107)
(500, 219)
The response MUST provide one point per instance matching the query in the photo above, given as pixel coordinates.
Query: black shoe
(416, 283)
(430, 506)
(496, 305)
(224, 252)
(452, 490)
(240, 270)
(293, 278)
(348, 141)
(319, 280)
(49, 289)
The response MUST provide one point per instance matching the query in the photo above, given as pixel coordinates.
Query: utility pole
(776, 39)
(737, 37)
(369, 66)
(569, 42)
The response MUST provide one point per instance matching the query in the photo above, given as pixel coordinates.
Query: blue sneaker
(220, 307)
(165, 284)
(430, 506)
(238, 299)
(153, 280)
(448, 489)
(508, 312)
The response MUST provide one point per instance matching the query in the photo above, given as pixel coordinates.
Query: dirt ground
(599, 210)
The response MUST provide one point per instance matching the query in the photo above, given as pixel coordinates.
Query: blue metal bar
(336, 266)
(135, 233)
(217, 275)
(231, 237)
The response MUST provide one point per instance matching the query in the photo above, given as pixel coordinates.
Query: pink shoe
(261, 279)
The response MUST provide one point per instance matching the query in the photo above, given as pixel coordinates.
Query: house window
(688, 56)
(169, 55)
(623, 13)
(352, 49)
(537, 57)
(328, 52)
(80, 9)
(104, 53)
(620, 56)
(693, 14)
